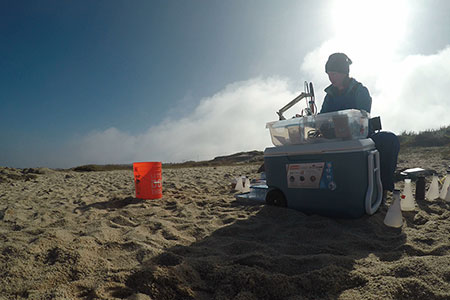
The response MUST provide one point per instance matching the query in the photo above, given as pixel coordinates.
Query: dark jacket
(356, 96)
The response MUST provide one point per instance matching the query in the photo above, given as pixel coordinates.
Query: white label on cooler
(306, 175)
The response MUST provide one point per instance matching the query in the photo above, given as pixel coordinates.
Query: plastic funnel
(148, 180)
(447, 198)
(239, 184)
(407, 202)
(246, 185)
(444, 189)
(393, 216)
(433, 191)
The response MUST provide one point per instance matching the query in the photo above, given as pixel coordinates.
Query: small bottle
(420, 188)
(407, 202)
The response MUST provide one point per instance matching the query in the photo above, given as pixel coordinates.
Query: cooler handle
(373, 170)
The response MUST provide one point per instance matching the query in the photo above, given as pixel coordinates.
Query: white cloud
(230, 121)
(412, 94)
(408, 93)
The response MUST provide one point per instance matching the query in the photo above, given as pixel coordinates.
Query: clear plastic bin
(350, 124)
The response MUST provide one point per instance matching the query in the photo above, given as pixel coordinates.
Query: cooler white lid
(331, 147)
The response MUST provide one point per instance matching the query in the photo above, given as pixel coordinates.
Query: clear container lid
(335, 126)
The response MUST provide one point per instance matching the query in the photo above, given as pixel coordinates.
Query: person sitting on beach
(347, 93)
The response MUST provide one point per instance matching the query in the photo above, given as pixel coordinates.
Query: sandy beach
(83, 235)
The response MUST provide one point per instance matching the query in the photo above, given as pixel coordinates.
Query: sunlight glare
(370, 28)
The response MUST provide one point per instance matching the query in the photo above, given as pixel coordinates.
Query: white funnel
(447, 198)
(433, 191)
(407, 202)
(444, 192)
(239, 184)
(246, 185)
(393, 216)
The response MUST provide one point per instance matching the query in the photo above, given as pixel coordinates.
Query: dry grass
(427, 138)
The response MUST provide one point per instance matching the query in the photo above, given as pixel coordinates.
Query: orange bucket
(148, 180)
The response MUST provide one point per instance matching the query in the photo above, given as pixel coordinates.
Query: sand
(71, 235)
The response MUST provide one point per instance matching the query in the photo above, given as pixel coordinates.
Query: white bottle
(393, 216)
(407, 202)
(445, 186)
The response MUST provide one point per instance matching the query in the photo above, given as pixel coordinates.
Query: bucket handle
(373, 169)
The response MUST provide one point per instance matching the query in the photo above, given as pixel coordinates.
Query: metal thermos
(420, 188)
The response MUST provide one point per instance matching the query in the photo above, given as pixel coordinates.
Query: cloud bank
(408, 93)
(230, 121)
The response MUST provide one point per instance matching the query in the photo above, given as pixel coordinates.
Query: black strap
(374, 124)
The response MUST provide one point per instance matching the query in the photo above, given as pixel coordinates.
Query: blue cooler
(337, 179)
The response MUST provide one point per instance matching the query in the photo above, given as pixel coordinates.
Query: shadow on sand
(276, 253)
(114, 203)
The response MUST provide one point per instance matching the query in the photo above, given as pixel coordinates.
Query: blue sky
(123, 81)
